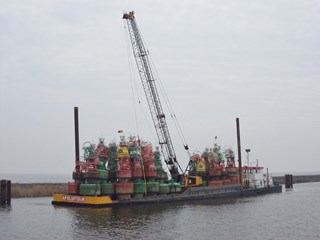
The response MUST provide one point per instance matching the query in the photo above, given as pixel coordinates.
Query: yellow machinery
(192, 181)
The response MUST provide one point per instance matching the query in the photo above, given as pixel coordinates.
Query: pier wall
(19, 190)
(298, 179)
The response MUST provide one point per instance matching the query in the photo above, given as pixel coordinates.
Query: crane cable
(167, 102)
(132, 80)
(170, 108)
(133, 83)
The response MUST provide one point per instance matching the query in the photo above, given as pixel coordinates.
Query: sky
(218, 60)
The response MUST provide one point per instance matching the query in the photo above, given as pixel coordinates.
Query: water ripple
(289, 215)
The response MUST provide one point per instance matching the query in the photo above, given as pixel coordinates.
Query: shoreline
(26, 190)
(298, 178)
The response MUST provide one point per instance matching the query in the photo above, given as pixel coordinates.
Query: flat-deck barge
(191, 194)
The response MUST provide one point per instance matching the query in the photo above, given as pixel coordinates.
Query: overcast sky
(218, 60)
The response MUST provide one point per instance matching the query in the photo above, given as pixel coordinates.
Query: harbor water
(293, 214)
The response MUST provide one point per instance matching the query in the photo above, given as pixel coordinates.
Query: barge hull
(81, 201)
(260, 191)
(191, 194)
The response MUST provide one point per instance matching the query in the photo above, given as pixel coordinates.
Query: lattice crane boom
(141, 55)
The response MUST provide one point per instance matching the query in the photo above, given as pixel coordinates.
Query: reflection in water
(133, 221)
(288, 189)
(290, 215)
(127, 222)
(5, 208)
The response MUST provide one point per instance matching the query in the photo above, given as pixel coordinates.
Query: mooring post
(8, 192)
(239, 150)
(76, 134)
(3, 197)
(288, 181)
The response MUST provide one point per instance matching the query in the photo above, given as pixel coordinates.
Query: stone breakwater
(298, 179)
(19, 190)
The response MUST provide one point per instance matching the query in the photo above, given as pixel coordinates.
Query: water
(289, 215)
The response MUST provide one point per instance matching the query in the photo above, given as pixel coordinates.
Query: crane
(141, 56)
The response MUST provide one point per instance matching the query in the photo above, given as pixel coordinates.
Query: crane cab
(192, 181)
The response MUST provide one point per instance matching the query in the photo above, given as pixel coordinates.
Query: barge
(131, 172)
(191, 194)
